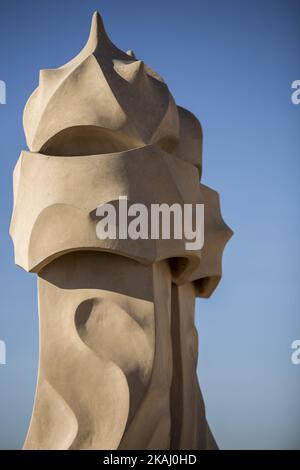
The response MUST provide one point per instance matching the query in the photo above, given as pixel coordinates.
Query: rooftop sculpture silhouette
(118, 344)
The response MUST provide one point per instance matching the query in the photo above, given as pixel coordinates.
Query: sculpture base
(118, 355)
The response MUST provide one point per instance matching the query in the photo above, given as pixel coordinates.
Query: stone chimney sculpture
(118, 344)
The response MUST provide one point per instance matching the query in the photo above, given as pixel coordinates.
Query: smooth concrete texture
(118, 345)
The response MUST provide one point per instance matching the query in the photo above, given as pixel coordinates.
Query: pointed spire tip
(97, 26)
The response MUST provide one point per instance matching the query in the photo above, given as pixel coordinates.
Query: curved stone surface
(119, 348)
(47, 224)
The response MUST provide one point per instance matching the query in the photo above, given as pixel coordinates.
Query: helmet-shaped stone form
(104, 99)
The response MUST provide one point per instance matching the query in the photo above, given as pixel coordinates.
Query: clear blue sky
(231, 63)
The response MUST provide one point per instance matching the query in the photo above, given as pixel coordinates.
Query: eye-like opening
(88, 140)
(92, 140)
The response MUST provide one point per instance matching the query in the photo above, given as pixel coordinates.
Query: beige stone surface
(118, 344)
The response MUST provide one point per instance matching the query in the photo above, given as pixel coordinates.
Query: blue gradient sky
(231, 63)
